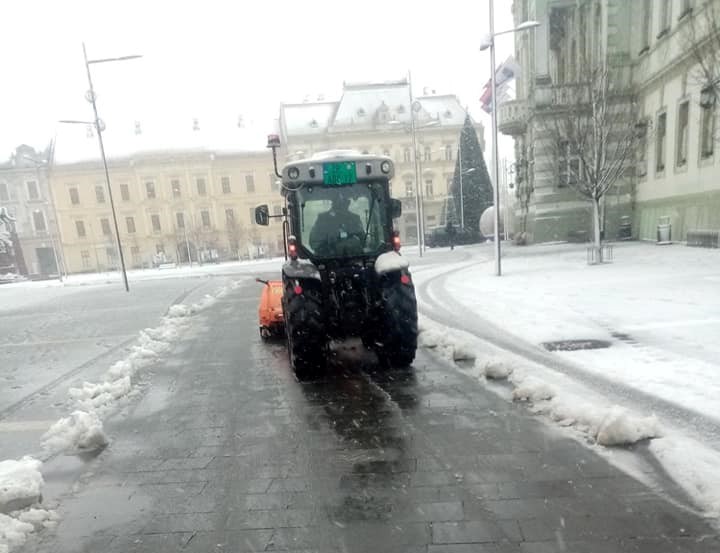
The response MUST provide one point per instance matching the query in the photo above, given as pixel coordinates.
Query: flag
(507, 71)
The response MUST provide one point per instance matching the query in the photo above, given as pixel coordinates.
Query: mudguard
(301, 268)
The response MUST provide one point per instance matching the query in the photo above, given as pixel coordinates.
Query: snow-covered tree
(6, 222)
(476, 186)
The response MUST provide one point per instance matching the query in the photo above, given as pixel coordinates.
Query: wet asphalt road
(227, 452)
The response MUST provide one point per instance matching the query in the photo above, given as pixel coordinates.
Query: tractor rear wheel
(398, 342)
(306, 340)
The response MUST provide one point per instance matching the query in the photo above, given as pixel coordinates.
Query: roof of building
(77, 143)
(369, 106)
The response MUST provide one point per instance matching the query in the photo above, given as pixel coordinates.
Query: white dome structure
(487, 222)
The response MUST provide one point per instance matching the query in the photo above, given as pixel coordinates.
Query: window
(130, 223)
(646, 21)
(100, 194)
(80, 228)
(105, 225)
(135, 254)
(660, 143)
(225, 181)
(155, 222)
(250, 183)
(32, 189)
(642, 155)
(409, 188)
(205, 218)
(428, 154)
(448, 152)
(252, 216)
(74, 196)
(201, 186)
(180, 219)
(150, 190)
(406, 155)
(665, 14)
(175, 185)
(707, 125)
(4, 194)
(277, 212)
(428, 187)
(125, 192)
(230, 217)
(682, 135)
(85, 256)
(39, 221)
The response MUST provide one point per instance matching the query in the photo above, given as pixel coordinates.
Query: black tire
(399, 323)
(306, 335)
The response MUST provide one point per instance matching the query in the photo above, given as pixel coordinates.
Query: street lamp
(489, 42)
(462, 196)
(100, 127)
(419, 202)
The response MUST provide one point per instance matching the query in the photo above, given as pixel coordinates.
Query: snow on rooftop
(309, 118)
(365, 106)
(76, 142)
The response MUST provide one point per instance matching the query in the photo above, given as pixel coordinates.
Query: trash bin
(625, 229)
(664, 230)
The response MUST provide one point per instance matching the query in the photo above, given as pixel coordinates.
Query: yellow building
(375, 118)
(170, 206)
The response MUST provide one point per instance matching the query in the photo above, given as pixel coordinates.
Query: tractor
(344, 276)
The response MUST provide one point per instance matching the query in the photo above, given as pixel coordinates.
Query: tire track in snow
(689, 421)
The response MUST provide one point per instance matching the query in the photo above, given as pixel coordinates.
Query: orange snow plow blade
(270, 312)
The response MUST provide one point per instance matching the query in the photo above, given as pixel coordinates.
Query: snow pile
(496, 368)
(445, 344)
(604, 425)
(15, 527)
(80, 431)
(13, 532)
(97, 396)
(532, 389)
(20, 483)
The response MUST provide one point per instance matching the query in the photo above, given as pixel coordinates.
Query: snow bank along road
(226, 451)
(659, 382)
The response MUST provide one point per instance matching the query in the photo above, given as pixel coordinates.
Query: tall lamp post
(99, 128)
(489, 42)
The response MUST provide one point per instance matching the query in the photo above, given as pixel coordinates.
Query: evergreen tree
(477, 188)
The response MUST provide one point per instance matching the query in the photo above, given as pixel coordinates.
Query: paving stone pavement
(227, 452)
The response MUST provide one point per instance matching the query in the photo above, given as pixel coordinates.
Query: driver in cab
(335, 226)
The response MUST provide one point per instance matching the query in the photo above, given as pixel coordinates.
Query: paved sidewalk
(226, 452)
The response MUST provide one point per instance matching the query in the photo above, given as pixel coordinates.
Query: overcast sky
(212, 59)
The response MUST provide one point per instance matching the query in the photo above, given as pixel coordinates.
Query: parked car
(438, 237)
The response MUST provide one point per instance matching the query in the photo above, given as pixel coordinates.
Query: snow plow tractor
(343, 276)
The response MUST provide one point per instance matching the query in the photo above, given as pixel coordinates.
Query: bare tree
(593, 136)
(702, 39)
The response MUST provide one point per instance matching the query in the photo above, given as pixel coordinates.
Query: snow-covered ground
(657, 307)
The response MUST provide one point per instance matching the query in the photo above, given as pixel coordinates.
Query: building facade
(674, 172)
(174, 206)
(375, 118)
(25, 194)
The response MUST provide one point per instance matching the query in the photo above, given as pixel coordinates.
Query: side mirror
(262, 215)
(395, 208)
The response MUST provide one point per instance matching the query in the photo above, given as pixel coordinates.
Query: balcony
(512, 117)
